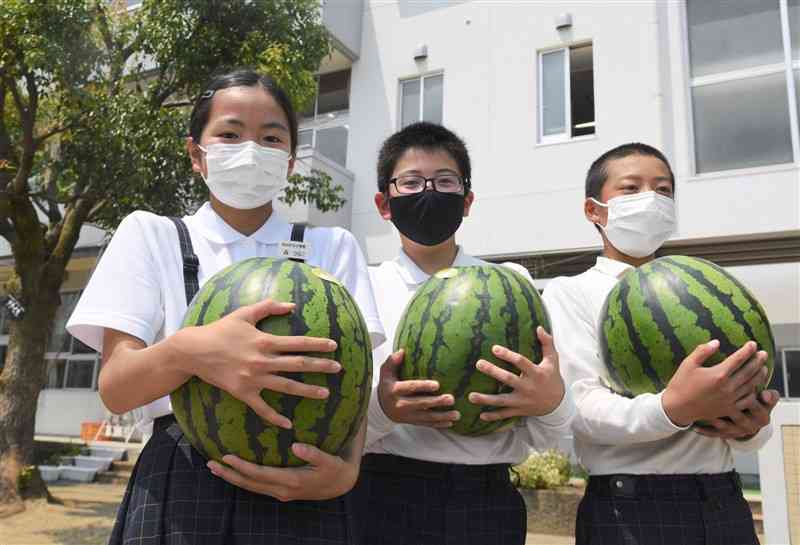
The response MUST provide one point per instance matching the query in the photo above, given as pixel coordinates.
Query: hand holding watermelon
(536, 391)
(413, 401)
(698, 393)
(746, 423)
(324, 477)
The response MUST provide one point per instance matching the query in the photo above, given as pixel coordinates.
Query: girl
(243, 138)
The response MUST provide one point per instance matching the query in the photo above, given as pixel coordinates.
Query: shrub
(542, 470)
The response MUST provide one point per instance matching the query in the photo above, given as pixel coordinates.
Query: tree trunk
(20, 383)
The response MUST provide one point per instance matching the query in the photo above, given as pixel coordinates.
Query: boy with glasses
(420, 483)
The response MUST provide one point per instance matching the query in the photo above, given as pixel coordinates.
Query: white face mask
(245, 175)
(639, 224)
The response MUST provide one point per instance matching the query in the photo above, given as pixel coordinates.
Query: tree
(93, 121)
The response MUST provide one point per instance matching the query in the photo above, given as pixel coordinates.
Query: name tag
(294, 250)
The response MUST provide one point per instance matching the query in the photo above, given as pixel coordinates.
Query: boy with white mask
(655, 479)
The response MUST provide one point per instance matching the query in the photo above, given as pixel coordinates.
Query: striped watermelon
(216, 423)
(453, 321)
(660, 312)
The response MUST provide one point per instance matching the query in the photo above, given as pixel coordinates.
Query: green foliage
(315, 188)
(25, 477)
(542, 470)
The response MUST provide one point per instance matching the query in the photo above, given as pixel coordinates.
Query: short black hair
(425, 136)
(598, 172)
(240, 77)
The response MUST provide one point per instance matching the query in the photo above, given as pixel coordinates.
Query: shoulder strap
(190, 262)
(298, 234)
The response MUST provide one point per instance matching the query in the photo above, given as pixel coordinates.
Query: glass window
(566, 98)
(5, 320)
(80, 374)
(742, 123)
(554, 93)
(410, 102)
(332, 143)
(334, 92)
(305, 138)
(792, 360)
(434, 96)
(794, 27)
(60, 341)
(717, 31)
(54, 373)
(581, 89)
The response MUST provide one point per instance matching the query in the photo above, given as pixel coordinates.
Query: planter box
(79, 474)
(116, 454)
(94, 462)
(552, 511)
(50, 473)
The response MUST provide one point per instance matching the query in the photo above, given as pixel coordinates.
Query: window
(70, 363)
(566, 93)
(742, 89)
(421, 99)
(791, 369)
(324, 123)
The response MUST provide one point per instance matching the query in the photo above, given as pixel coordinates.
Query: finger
(494, 400)
(258, 311)
(501, 375)
(753, 384)
(701, 353)
(748, 402)
(753, 368)
(717, 427)
(517, 360)
(392, 364)
(315, 456)
(770, 398)
(759, 412)
(237, 479)
(267, 413)
(294, 343)
(303, 364)
(548, 346)
(738, 358)
(405, 388)
(743, 424)
(424, 403)
(500, 414)
(292, 387)
(437, 419)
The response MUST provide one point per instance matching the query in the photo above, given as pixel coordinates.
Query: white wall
(60, 412)
(342, 18)
(529, 197)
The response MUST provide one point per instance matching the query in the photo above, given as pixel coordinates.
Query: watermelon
(660, 312)
(454, 319)
(216, 423)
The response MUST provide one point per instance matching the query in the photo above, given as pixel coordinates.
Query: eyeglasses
(444, 183)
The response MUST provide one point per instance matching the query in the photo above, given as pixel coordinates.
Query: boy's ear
(469, 198)
(594, 213)
(382, 204)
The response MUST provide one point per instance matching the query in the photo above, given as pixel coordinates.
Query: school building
(538, 90)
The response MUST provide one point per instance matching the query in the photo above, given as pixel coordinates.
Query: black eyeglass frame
(465, 185)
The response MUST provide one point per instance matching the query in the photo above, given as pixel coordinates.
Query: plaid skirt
(173, 499)
(401, 501)
(665, 510)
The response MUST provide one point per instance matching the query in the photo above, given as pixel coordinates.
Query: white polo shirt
(614, 434)
(137, 287)
(394, 283)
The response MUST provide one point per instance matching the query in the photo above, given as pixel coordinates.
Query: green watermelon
(660, 312)
(454, 319)
(216, 423)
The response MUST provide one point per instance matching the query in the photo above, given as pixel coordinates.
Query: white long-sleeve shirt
(394, 283)
(615, 434)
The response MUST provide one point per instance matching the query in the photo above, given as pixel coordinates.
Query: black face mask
(429, 217)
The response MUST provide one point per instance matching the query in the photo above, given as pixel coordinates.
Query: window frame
(421, 78)
(785, 393)
(564, 137)
(788, 66)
